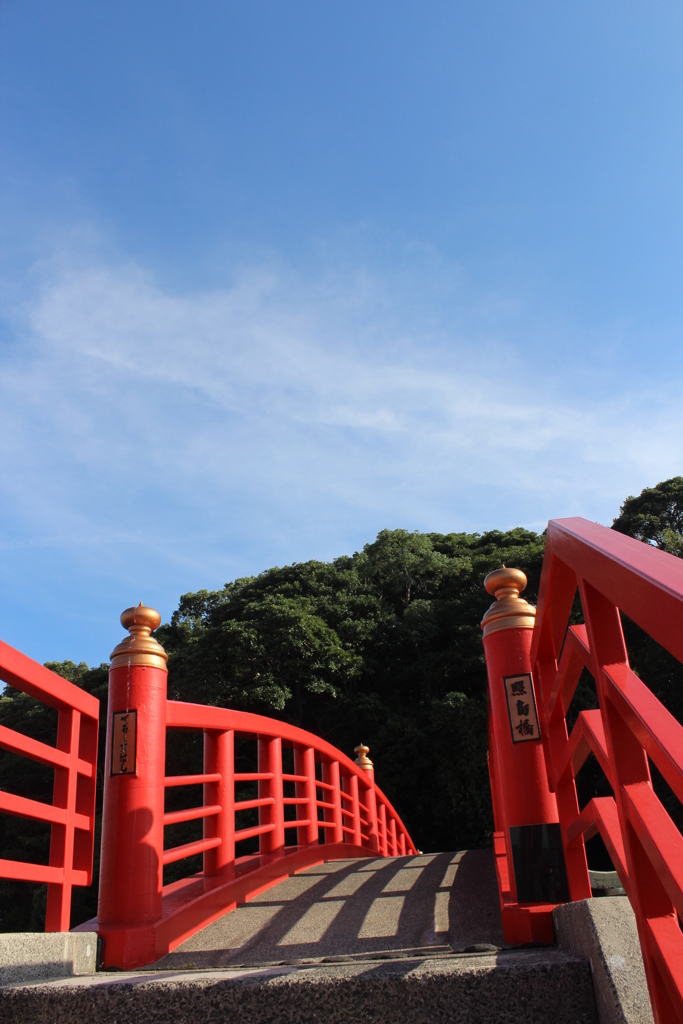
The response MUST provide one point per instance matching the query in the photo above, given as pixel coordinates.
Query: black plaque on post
(538, 858)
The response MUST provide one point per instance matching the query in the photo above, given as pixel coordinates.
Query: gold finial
(140, 648)
(509, 610)
(362, 760)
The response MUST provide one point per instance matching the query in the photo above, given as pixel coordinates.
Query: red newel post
(131, 866)
(527, 841)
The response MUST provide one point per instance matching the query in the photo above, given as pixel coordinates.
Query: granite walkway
(357, 908)
(411, 940)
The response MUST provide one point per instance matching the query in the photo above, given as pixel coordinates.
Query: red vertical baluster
(392, 837)
(85, 796)
(219, 759)
(382, 829)
(355, 810)
(333, 796)
(347, 806)
(270, 760)
(304, 764)
(402, 844)
(58, 914)
(371, 804)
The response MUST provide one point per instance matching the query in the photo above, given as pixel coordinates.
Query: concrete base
(604, 932)
(546, 986)
(26, 956)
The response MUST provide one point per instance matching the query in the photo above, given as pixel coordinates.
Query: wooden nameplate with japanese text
(522, 708)
(124, 732)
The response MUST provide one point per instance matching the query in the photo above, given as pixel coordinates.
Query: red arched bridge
(314, 804)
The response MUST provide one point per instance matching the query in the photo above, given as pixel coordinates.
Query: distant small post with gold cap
(522, 801)
(131, 871)
(362, 759)
(364, 763)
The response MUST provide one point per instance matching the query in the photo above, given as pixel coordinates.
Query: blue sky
(276, 276)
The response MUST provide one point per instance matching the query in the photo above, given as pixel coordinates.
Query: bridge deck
(356, 908)
(367, 940)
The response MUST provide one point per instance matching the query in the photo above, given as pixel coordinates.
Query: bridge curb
(535, 986)
(32, 956)
(604, 932)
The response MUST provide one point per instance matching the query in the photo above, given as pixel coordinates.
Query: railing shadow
(355, 909)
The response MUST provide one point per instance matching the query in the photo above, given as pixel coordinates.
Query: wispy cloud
(155, 440)
(288, 414)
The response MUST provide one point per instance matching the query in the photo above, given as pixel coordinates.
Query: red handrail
(340, 782)
(615, 573)
(74, 760)
(328, 788)
(338, 810)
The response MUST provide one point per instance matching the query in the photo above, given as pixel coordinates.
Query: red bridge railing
(313, 805)
(71, 814)
(629, 729)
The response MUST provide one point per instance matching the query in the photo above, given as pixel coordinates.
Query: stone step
(525, 986)
(408, 939)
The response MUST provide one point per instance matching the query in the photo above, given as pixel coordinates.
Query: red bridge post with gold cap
(364, 762)
(527, 838)
(131, 868)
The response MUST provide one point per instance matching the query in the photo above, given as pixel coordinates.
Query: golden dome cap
(140, 648)
(509, 610)
(362, 760)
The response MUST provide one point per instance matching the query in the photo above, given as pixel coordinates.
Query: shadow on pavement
(374, 909)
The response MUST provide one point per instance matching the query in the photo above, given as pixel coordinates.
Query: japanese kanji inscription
(123, 742)
(522, 708)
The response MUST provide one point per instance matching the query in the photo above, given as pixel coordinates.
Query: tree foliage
(655, 516)
(383, 646)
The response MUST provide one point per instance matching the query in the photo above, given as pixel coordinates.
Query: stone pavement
(413, 940)
(536, 986)
(357, 908)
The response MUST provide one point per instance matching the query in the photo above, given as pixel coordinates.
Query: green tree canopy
(383, 647)
(655, 516)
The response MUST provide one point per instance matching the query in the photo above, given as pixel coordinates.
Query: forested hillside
(383, 647)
